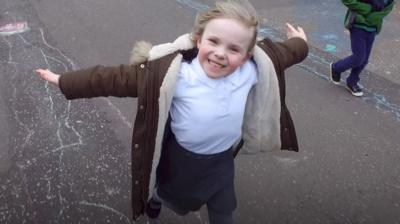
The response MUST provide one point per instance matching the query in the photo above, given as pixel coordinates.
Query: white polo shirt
(207, 114)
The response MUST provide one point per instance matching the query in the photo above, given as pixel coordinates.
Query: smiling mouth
(215, 64)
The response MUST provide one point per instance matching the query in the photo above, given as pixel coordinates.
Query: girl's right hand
(48, 76)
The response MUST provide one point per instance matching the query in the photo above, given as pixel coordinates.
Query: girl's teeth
(215, 64)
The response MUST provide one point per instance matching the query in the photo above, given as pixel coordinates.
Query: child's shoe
(334, 76)
(355, 89)
(153, 208)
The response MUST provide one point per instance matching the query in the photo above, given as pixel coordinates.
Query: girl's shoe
(153, 208)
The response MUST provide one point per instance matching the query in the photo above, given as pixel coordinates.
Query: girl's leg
(358, 40)
(221, 206)
(177, 210)
(219, 218)
(354, 77)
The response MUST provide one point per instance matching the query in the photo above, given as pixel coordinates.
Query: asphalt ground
(69, 161)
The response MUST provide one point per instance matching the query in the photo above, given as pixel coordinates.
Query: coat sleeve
(119, 81)
(358, 6)
(376, 17)
(291, 51)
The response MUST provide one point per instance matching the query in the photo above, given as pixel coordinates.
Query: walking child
(198, 97)
(364, 20)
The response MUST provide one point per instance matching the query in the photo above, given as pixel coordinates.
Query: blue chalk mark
(330, 37)
(194, 5)
(330, 48)
(382, 104)
(263, 31)
(379, 100)
(268, 32)
(313, 71)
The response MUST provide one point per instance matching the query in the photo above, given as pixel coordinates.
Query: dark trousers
(361, 45)
(186, 181)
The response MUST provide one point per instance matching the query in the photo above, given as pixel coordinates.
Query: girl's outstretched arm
(293, 32)
(48, 76)
(291, 51)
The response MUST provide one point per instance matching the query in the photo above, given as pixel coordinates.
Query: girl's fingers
(300, 29)
(43, 73)
(40, 71)
(290, 27)
(302, 33)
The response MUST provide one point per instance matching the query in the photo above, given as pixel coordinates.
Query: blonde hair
(240, 10)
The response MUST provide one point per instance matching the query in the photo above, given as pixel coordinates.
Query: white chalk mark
(124, 119)
(10, 58)
(13, 28)
(74, 67)
(106, 208)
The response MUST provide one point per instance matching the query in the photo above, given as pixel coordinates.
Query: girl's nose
(219, 52)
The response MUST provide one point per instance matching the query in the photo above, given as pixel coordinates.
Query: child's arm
(289, 52)
(295, 49)
(119, 81)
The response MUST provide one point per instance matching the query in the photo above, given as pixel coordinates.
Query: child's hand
(48, 76)
(293, 32)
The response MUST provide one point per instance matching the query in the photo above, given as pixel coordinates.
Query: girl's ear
(197, 39)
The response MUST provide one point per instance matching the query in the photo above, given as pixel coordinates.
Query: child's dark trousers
(186, 181)
(361, 45)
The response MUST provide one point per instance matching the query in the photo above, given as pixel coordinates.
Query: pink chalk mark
(13, 28)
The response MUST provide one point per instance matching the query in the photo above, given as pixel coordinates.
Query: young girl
(197, 98)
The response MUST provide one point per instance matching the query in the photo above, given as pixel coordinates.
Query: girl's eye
(212, 41)
(235, 50)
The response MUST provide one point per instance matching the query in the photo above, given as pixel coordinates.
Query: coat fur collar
(143, 50)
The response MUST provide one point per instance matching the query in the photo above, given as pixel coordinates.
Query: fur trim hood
(145, 51)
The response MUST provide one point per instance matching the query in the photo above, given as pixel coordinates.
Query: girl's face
(224, 46)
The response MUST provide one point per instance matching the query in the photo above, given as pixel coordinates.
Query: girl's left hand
(293, 32)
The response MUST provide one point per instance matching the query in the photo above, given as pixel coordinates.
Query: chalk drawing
(330, 48)
(330, 37)
(13, 28)
(262, 31)
(194, 5)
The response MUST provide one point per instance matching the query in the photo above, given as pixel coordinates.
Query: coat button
(141, 107)
(136, 146)
(142, 65)
(136, 182)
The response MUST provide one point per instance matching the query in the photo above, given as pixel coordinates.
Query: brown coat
(151, 78)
